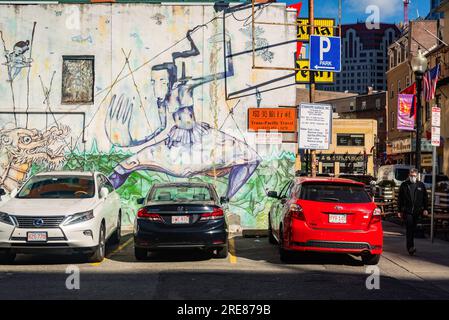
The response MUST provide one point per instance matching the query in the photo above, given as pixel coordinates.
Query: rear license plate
(180, 219)
(337, 218)
(37, 236)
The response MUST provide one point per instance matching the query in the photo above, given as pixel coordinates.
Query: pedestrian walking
(412, 204)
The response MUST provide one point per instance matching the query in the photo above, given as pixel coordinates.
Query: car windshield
(401, 174)
(326, 192)
(58, 187)
(181, 194)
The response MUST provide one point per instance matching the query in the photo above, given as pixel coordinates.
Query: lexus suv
(61, 212)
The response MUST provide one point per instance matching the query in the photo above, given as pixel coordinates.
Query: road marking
(120, 248)
(232, 256)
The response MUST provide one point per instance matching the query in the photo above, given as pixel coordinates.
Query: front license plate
(337, 218)
(37, 236)
(180, 219)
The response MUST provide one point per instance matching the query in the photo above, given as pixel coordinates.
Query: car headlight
(6, 218)
(79, 217)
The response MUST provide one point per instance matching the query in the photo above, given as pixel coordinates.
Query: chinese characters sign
(272, 119)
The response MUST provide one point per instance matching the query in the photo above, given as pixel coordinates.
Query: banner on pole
(406, 121)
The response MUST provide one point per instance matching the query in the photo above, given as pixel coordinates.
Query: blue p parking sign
(325, 53)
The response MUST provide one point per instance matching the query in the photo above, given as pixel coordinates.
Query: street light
(419, 67)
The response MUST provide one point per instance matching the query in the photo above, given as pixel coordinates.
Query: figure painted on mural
(21, 147)
(191, 147)
(16, 60)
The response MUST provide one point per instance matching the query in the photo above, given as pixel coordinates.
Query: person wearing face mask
(412, 203)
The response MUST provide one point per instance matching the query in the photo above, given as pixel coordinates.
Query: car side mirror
(224, 200)
(2, 192)
(272, 194)
(140, 200)
(104, 192)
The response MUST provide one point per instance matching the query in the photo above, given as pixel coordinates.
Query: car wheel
(98, 255)
(284, 255)
(140, 253)
(271, 238)
(370, 259)
(7, 257)
(222, 253)
(117, 236)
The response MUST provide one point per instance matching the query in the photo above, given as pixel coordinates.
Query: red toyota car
(326, 215)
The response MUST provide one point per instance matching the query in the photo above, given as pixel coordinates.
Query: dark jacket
(415, 204)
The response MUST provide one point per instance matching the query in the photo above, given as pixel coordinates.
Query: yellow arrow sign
(303, 76)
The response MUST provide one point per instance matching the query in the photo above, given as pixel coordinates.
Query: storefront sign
(323, 27)
(341, 157)
(303, 76)
(401, 146)
(315, 126)
(272, 119)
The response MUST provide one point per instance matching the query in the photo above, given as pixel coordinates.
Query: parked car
(397, 173)
(326, 215)
(61, 212)
(426, 178)
(181, 215)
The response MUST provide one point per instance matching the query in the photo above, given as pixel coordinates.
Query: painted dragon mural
(20, 148)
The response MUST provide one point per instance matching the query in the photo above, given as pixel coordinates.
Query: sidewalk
(430, 263)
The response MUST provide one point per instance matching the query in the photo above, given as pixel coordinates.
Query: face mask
(413, 179)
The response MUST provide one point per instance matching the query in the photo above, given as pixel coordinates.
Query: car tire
(284, 255)
(370, 259)
(99, 254)
(7, 257)
(117, 236)
(140, 253)
(271, 238)
(222, 253)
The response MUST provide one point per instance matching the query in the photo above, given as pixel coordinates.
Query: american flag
(430, 82)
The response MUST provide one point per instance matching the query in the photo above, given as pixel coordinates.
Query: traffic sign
(303, 76)
(315, 126)
(325, 53)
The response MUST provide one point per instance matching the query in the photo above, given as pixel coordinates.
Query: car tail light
(296, 212)
(144, 214)
(377, 216)
(214, 215)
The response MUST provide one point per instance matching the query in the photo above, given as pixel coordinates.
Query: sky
(391, 11)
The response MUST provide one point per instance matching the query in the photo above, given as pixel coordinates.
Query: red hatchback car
(326, 215)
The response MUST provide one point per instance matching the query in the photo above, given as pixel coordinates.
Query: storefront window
(351, 140)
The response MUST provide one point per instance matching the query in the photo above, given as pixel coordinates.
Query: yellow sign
(323, 27)
(303, 76)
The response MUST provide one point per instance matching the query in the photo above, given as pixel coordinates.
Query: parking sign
(325, 53)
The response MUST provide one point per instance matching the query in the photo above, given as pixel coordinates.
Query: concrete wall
(138, 91)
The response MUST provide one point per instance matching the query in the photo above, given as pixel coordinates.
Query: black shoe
(412, 251)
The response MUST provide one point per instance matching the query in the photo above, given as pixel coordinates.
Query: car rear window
(180, 193)
(327, 192)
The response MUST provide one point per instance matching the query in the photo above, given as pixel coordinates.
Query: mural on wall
(184, 99)
(192, 147)
(20, 148)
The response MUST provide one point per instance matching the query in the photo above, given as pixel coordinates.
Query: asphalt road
(252, 271)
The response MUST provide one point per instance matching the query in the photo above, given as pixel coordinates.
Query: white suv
(61, 212)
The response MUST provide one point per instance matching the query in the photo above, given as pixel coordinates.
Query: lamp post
(419, 67)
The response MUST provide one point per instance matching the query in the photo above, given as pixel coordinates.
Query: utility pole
(312, 81)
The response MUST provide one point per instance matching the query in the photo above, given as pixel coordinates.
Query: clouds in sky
(388, 8)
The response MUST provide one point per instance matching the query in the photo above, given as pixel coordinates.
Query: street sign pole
(312, 80)
(434, 165)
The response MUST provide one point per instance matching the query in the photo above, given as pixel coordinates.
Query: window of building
(344, 139)
(399, 86)
(392, 91)
(378, 104)
(77, 79)
(363, 105)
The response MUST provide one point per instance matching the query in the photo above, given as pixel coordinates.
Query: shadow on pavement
(260, 250)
